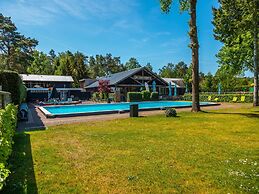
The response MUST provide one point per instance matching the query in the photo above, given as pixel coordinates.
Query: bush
(145, 95)
(8, 120)
(170, 112)
(134, 96)
(154, 96)
(23, 93)
(95, 96)
(221, 97)
(12, 82)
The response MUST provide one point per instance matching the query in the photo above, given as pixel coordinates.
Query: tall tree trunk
(8, 66)
(195, 57)
(256, 68)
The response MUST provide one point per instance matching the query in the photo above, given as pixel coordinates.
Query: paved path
(38, 121)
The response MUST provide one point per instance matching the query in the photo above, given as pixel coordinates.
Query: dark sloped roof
(116, 77)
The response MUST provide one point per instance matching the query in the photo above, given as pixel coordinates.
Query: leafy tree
(52, 56)
(207, 84)
(15, 49)
(113, 64)
(168, 71)
(190, 5)
(171, 70)
(230, 82)
(67, 63)
(64, 62)
(104, 65)
(149, 66)
(103, 86)
(78, 68)
(93, 67)
(236, 26)
(132, 64)
(41, 64)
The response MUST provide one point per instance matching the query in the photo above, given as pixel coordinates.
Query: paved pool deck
(36, 119)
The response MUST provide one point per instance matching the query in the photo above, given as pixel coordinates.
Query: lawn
(207, 152)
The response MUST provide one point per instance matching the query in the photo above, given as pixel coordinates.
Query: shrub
(145, 95)
(95, 96)
(12, 82)
(103, 86)
(8, 120)
(134, 96)
(154, 96)
(221, 97)
(111, 96)
(170, 112)
(23, 92)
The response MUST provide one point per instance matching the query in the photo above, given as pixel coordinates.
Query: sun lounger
(234, 99)
(243, 98)
(23, 112)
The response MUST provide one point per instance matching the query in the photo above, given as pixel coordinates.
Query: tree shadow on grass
(22, 177)
(248, 115)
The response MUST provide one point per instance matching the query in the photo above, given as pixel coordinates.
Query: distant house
(38, 87)
(45, 81)
(176, 82)
(133, 80)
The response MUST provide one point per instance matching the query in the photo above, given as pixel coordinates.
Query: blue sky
(125, 28)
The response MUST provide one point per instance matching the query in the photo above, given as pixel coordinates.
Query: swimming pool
(87, 109)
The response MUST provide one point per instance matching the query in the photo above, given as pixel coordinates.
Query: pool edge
(47, 114)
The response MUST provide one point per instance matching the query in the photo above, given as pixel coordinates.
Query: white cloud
(34, 12)
(27, 13)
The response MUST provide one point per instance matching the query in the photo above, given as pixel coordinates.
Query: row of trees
(77, 64)
(207, 82)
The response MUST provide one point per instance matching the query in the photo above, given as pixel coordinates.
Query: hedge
(221, 97)
(142, 96)
(8, 120)
(154, 96)
(12, 82)
(145, 95)
(134, 96)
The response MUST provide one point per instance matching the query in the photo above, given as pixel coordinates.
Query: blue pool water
(97, 108)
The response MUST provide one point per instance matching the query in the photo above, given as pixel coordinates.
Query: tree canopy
(132, 64)
(233, 26)
(236, 26)
(171, 70)
(15, 49)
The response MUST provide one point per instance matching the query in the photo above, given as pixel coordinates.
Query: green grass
(207, 152)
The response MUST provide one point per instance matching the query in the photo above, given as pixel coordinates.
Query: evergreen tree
(132, 64)
(15, 48)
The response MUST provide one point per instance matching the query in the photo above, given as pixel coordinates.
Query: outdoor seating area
(59, 102)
